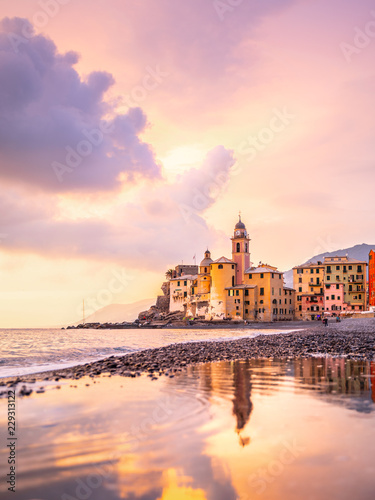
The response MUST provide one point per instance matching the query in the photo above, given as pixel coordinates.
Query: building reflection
(242, 405)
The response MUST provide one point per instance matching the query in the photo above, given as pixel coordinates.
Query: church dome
(207, 259)
(240, 224)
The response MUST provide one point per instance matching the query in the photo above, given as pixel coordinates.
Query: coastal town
(234, 289)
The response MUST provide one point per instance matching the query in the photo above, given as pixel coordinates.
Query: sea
(272, 429)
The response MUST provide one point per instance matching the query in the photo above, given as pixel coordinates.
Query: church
(231, 288)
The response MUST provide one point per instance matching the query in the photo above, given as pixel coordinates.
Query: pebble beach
(352, 338)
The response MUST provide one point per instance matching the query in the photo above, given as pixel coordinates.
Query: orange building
(371, 278)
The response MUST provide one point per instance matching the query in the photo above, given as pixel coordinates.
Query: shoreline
(353, 340)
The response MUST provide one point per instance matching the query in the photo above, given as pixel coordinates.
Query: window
(360, 297)
(329, 269)
(247, 302)
(220, 266)
(300, 289)
(299, 271)
(192, 291)
(350, 268)
(279, 291)
(327, 298)
(261, 291)
(299, 280)
(246, 292)
(237, 292)
(185, 294)
(332, 297)
(300, 308)
(238, 247)
(261, 302)
(261, 275)
(337, 287)
(317, 271)
(246, 247)
(247, 311)
(232, 280)
(337, 268)
(237, 308)
(337, 278)
(311, 289)
(273, 291)
(185, 283)
(250, 276)
(328, 278)
(232, 266)
(350, 288)
(279, 276)
(273, 275)
(178, 283)
(205, 269)
(359, 269)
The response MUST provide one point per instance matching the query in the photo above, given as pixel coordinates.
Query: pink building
(334, 299)
(312, 306)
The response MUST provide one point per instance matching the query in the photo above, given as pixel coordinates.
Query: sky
(132, 134)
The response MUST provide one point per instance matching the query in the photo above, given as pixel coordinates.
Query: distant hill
(117, 313)
(359, 252)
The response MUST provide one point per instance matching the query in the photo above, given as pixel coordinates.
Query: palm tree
(169, 274)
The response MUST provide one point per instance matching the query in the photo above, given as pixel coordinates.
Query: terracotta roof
(185, 277)
(259, 270)
(223, 260)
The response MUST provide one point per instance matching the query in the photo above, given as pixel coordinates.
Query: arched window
(220, 266)
(205, 269)
(238, 248)
(246, 247)
(232, 280)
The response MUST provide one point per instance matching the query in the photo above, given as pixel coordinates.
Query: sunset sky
(133, 132)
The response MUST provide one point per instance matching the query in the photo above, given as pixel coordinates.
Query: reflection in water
(227, 430)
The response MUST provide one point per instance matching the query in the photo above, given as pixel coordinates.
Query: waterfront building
(352, 274)
(371, 278)
(308, 283)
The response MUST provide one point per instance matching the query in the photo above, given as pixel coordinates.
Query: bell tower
(240, 250)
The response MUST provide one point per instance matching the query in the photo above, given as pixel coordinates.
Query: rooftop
(185, 277)
(262, 269)
(223, 260)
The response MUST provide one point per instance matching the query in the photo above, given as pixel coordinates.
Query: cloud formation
(57, 132)
(166, 223)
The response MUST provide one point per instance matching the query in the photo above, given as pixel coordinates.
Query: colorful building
(371, 278)
(233, 288)
(308, 281)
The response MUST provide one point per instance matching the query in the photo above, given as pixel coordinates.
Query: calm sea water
(30, 350)
(274, 430)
